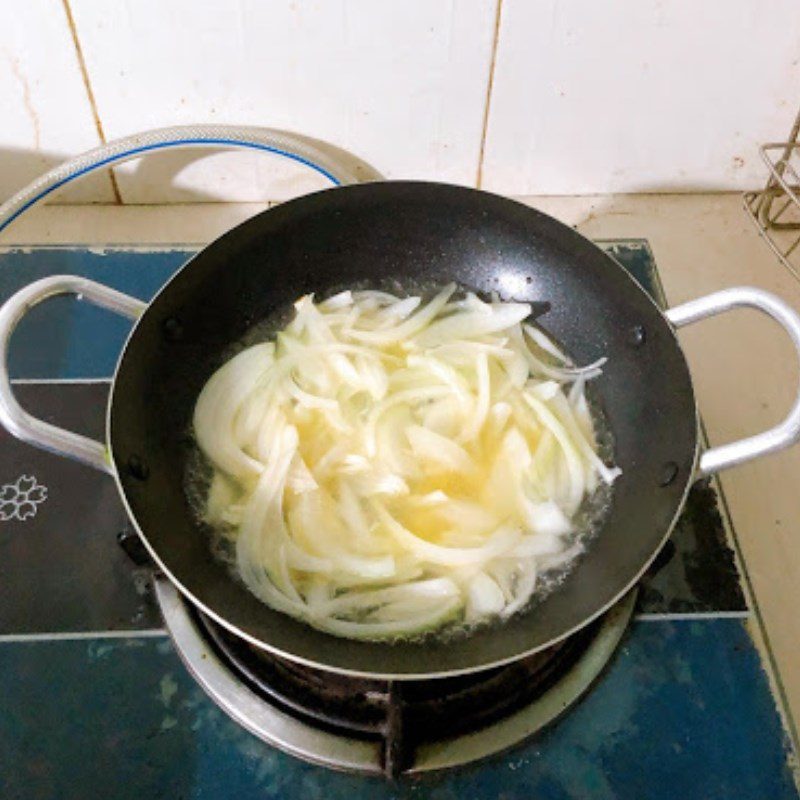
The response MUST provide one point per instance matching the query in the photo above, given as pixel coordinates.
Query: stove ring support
(302, 740)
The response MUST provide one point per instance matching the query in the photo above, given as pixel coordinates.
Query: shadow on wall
(195, 175)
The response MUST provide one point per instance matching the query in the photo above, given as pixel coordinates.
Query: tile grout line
(47, 381)
(192, 248)
(689, 616)
(489, 90)
(87, 84)
(150, 633)
(68, 636)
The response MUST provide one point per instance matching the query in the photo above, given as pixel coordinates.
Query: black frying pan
(390, 235)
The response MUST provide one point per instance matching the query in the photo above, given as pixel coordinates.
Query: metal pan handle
(785, 433)
(336, 165)
(13, 417)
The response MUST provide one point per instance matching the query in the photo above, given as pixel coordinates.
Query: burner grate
(401, 715)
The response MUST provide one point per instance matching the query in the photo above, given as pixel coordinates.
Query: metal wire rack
(775, 209)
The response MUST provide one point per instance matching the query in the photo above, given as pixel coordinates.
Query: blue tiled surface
(684, 711)
(68, 339)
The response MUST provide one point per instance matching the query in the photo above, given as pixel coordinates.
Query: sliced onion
(472, 324)
(388, 467)
(218, 405)
(499, 542)
(411, 326)
(484, 598)
(438, 452)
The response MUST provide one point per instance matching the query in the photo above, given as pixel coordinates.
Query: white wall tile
(401, 84)
(639, 95)
(45, 110)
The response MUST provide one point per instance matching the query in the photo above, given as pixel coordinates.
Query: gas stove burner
(389, 727)
(400, 714)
